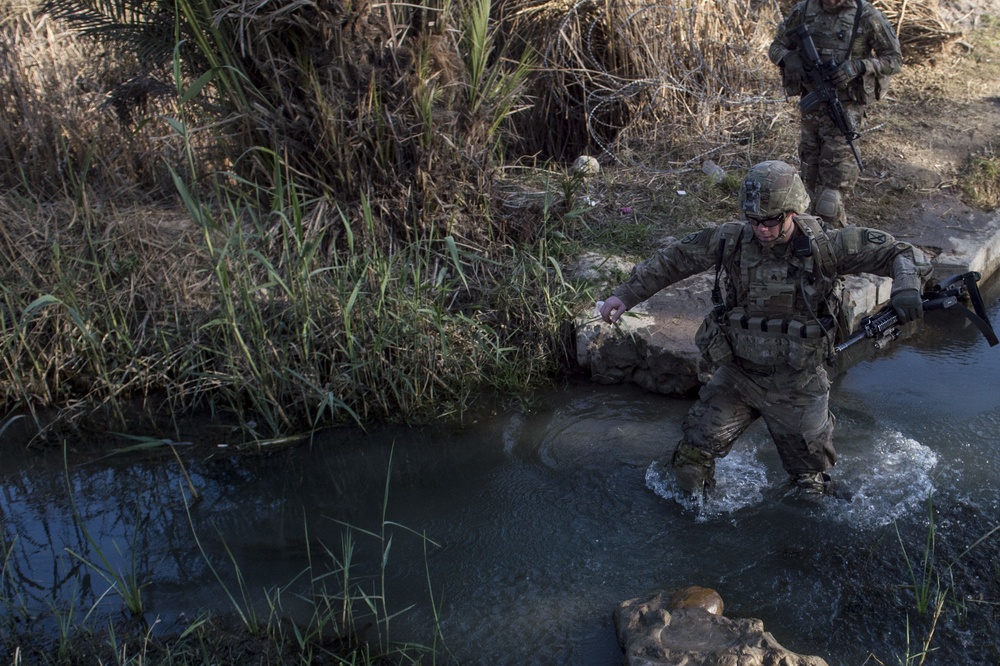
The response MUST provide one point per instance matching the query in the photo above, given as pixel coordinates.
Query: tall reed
(289, 300)
(933, 584)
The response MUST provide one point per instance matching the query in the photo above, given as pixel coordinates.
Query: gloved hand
(847, 72)
(908, 305)
(791, 62)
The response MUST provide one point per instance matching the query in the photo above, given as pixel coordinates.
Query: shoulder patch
(691, 238)
(876, 237)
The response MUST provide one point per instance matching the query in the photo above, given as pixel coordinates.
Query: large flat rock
(957, 238)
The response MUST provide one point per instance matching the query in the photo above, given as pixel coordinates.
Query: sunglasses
(768, 222)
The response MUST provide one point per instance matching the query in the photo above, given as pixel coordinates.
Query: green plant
(980, 181)
(13, 608)
(930, 593)
(342, 603)
(126, 580)
(925, 581)
(243, 604)
(495, 89)
(127, 654)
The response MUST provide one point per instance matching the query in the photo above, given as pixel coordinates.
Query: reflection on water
(540, 521)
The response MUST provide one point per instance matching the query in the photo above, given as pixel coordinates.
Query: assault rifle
(823, 91)
(882, 327)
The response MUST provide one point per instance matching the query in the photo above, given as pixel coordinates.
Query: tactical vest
(780, 311)
(831, 31)
(837, 36)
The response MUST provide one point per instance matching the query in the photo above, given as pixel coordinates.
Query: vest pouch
(869, 88)
(778, 350)
(770, 292)
(882, 86)
(712, 342)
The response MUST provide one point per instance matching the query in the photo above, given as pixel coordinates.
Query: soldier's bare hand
(612, 309)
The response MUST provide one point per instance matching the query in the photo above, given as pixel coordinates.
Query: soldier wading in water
(777, 301)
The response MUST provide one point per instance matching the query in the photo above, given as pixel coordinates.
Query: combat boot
(812, 483)
(693, 468)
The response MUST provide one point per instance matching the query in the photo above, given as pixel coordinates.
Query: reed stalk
(128, 579)
(925, 580)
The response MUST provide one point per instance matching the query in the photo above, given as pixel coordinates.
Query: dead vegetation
(395, 108)
(414, 153)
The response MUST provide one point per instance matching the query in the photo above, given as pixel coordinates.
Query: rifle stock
(823, 91)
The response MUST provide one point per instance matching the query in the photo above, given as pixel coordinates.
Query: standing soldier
(777, 299)
(862, 52)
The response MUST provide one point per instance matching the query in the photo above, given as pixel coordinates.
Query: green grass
(933, 594)
(258, 316)
(980, 182)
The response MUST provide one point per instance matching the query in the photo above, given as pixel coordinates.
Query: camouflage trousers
(793, 404)
(827, 165)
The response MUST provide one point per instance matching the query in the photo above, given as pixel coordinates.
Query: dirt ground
(939, 115)
(942, 111)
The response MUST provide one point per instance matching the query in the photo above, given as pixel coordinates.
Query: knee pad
(829, 205)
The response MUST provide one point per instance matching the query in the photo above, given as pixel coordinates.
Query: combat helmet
(771, 188)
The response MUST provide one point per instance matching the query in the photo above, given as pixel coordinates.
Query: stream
(519, 531)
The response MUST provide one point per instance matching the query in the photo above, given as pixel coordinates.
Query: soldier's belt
(790, 327)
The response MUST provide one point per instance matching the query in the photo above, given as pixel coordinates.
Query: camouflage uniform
(827, 164)
(773, 327)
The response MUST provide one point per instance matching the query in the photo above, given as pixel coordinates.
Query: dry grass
(390, 137)
(614, 77)
(922, 32)
(55, 133)
(662, 86)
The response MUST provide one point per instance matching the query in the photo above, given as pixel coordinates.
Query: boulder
(675, 628)
(585, 165)
(695, 596)
(653, 344)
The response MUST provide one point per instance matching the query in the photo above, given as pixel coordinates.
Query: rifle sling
(979, 318)
(982, 324)
(854, 32)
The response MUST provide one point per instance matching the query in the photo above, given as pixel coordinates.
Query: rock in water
(668, 628)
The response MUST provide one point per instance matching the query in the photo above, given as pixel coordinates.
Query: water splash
(876, 488)
(893, 480)
(740, 480)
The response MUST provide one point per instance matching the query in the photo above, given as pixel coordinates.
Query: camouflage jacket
(781, 295)
(876, 43)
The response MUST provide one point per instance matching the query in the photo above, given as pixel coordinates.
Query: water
(528, 526)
